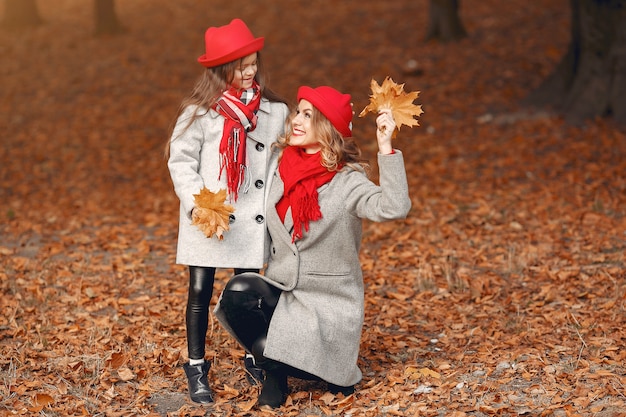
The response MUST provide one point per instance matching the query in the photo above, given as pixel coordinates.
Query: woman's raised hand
(386, 126)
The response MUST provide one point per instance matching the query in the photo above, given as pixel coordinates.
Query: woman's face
(244, 75)
(303, 134)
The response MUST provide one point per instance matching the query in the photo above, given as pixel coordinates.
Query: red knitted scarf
(239, 119)
(302, 175)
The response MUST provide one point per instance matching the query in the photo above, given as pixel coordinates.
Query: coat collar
(262, 132)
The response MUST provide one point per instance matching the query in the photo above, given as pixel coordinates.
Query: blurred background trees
(107, 22)
(444, 22)
(590, 80)
(20, 13)
(25, 13)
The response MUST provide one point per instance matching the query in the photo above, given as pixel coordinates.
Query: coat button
(258, 183)
(231, 218)
(259, 219)
(259, 147)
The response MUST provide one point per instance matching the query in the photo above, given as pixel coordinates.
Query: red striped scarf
(239, 119)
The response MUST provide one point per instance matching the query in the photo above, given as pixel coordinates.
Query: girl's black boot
(199, 389)
(275, 389)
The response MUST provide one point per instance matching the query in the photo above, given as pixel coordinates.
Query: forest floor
(502, 293)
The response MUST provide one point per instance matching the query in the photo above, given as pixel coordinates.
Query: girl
(303, 317)
(221, 140)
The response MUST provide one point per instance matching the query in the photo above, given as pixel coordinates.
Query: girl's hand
(386, 125)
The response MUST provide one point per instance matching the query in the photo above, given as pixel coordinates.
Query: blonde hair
(210, 86)
(336, 151)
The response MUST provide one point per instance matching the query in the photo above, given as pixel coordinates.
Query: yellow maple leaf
(211, 214)
(390, 95)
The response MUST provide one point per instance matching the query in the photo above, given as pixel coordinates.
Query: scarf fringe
(308, 211)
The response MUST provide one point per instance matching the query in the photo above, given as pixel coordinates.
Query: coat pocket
(338, 304)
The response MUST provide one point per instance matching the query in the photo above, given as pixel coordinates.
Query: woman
(304, 316)
(222, 140)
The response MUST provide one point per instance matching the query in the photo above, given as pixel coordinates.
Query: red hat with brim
(332, 104)
(227, 43)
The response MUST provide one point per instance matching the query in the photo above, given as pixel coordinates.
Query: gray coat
(194, 163)
(316, 326)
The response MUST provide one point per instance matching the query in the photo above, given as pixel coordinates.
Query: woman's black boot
(274, 391)
(199, 389)
(336, 389)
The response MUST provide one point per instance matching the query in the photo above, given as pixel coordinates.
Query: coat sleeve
(388, 201)
(184, 160)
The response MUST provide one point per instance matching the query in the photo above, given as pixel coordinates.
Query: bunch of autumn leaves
(211, 213)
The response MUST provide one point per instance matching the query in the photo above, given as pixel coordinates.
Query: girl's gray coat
(194, 163)
(316, 326)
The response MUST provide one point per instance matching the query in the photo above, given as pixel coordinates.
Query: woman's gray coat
(194, 164)
(316, 326)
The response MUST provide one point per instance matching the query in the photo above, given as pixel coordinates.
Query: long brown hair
(210, 86)
(336, 150)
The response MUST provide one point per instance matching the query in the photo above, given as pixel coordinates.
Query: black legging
(201, 280)
(248, 304)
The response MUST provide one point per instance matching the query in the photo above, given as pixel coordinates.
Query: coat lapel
(277, 227)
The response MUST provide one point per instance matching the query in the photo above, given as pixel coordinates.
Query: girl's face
(303, 134)
(244, 75)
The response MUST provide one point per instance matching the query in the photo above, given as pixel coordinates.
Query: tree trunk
(107, 22)
(20, 13)
(590, 80)
(444, 22)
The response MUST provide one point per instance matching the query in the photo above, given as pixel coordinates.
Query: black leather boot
(275, 389)
(254, 374)
(199, 389)
(336, 389)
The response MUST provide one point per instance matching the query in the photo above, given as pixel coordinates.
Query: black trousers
(248, 303)
(201, 280)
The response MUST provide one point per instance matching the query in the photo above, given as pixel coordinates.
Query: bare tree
(20, 13)
(590, 80)
(444, 22)
(107, 22)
